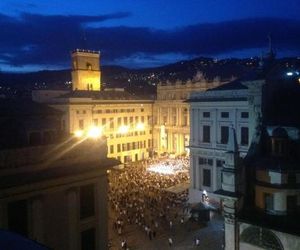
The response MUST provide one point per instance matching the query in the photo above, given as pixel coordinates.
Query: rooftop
(25, 107)
(104, 95)
(86, 51)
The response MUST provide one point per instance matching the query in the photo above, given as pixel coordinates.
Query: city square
(148, 208)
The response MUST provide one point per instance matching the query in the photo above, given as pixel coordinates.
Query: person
(197, 241)
(124, 244)
(170, 241)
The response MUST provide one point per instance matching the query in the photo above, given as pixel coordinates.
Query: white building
(212, 113)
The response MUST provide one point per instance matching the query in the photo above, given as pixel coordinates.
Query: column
(198, 125)
(192, 171)
(179, 116)
(73, 210)
(231, 226)
(170, 141)
(181, 143)
(192, 135)
(198, 173)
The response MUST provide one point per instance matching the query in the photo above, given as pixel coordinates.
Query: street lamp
(94, 132)
(123, 129)
(78, 133)
(140, 126)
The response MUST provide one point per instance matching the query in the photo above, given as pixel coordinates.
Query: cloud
(47, 40)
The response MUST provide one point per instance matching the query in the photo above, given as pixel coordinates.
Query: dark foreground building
(53, 187)
(261, 194)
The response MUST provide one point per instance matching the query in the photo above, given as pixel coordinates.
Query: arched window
(89, 66)
(261, 237)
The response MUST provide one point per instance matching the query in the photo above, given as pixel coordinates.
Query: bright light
(94, 132)
(123, 129)
(172, 166)
(161, 169)
(140, 126)
(289, 73)
(78, 133)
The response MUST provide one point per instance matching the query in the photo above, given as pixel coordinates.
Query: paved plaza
(210, 236)
(145, 212)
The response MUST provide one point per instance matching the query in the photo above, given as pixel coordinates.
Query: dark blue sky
(39, 34)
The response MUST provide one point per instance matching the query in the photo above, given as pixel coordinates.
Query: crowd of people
(138, 196)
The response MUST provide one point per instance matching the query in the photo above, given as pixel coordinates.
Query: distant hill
(139, 81)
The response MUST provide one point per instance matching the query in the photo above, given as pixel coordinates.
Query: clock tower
(86, 74)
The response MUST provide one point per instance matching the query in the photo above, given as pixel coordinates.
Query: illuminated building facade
(53, 188)
(171, 114)
(125, 119)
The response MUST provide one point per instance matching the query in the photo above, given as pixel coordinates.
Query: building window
(119, 121)
(125, 120)
(291, 203)
(206, 178)
(220, 163)
(206, 133)
(119, 148)
(244, 115)
(244, 136)
(111, 149)
(95, 122)
(279, 147)
(17, 217)
(174, 120)
(103, 121)
(269, 201)
(89, 66)
(87, 201)
(111, 123)
(205, 161)
(224, 134)
(164, 119)
(88, 239)
(81, 124)
(225, 114)
(206, 114)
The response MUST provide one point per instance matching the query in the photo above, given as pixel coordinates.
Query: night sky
(39, 34)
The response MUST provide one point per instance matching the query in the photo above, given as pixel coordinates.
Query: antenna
(84, 40)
